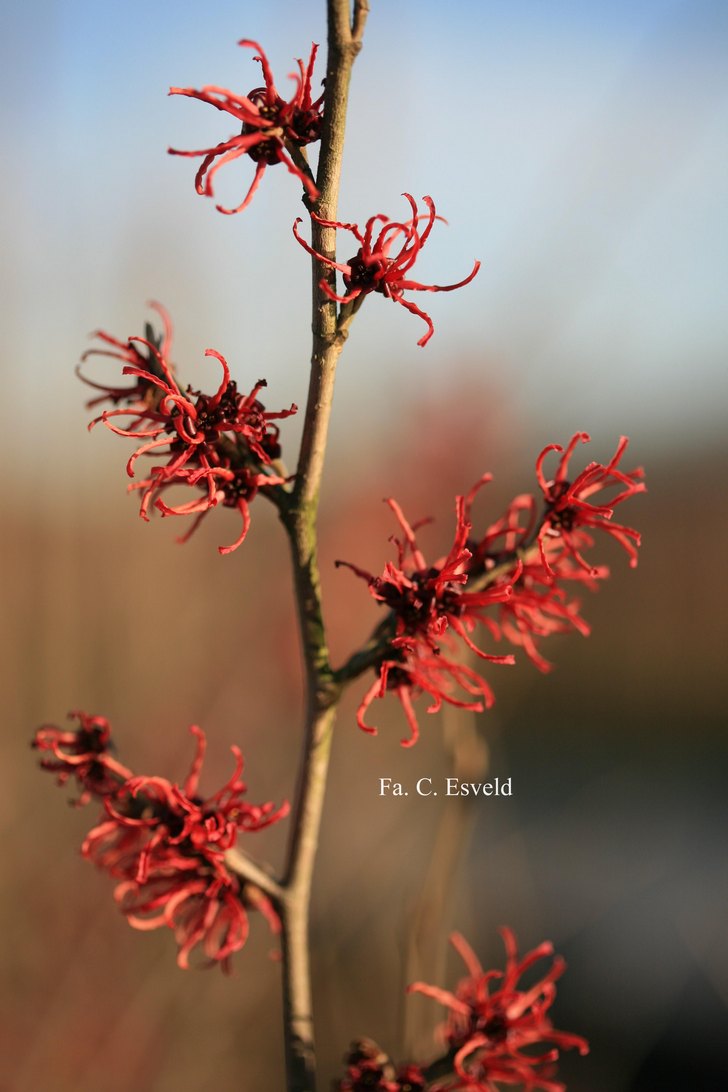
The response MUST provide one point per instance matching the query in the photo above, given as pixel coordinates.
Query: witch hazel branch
(184, 859)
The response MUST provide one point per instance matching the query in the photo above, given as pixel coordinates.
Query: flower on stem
(429, 607)
(166, 844)
(387, 251)
(494, 1023)
(83, 753)
(273, 130)
(568, 507)
(223, 444)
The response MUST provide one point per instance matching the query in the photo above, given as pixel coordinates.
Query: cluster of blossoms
(223, 445)
(495, 1032)
(277, 131)
(273, 129)
(523, 567)
(163, 843)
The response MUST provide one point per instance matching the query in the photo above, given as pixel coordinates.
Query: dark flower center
(268, 110)
(560, 516)
(212, 417)
(91, 741)
(238, 488)
(417, 606)
(304, 127)
(495, 1027)
(268, 150)
(365, 276)
(270, 445)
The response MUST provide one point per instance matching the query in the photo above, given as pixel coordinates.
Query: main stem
(300, 519)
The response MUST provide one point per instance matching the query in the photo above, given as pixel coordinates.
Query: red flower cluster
(368, 1069)
(166, 844)
(270, 127)
(222, 444)
(428, 605)
(524, 566)
(494, 1023)
(374, 268)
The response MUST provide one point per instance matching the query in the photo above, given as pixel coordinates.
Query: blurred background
(578, 150)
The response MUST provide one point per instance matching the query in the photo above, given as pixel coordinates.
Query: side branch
(248, 871)
(361, 11)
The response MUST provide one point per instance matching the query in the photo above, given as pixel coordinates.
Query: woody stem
(299, 516)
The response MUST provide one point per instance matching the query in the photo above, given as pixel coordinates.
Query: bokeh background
(577, 149)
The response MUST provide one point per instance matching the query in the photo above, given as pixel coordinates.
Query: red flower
(270, 127)
(428, 604)
(375, 269)
(568, 507)
(493, 1022)
(223, 444)
(167, 845)
(82, 753)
